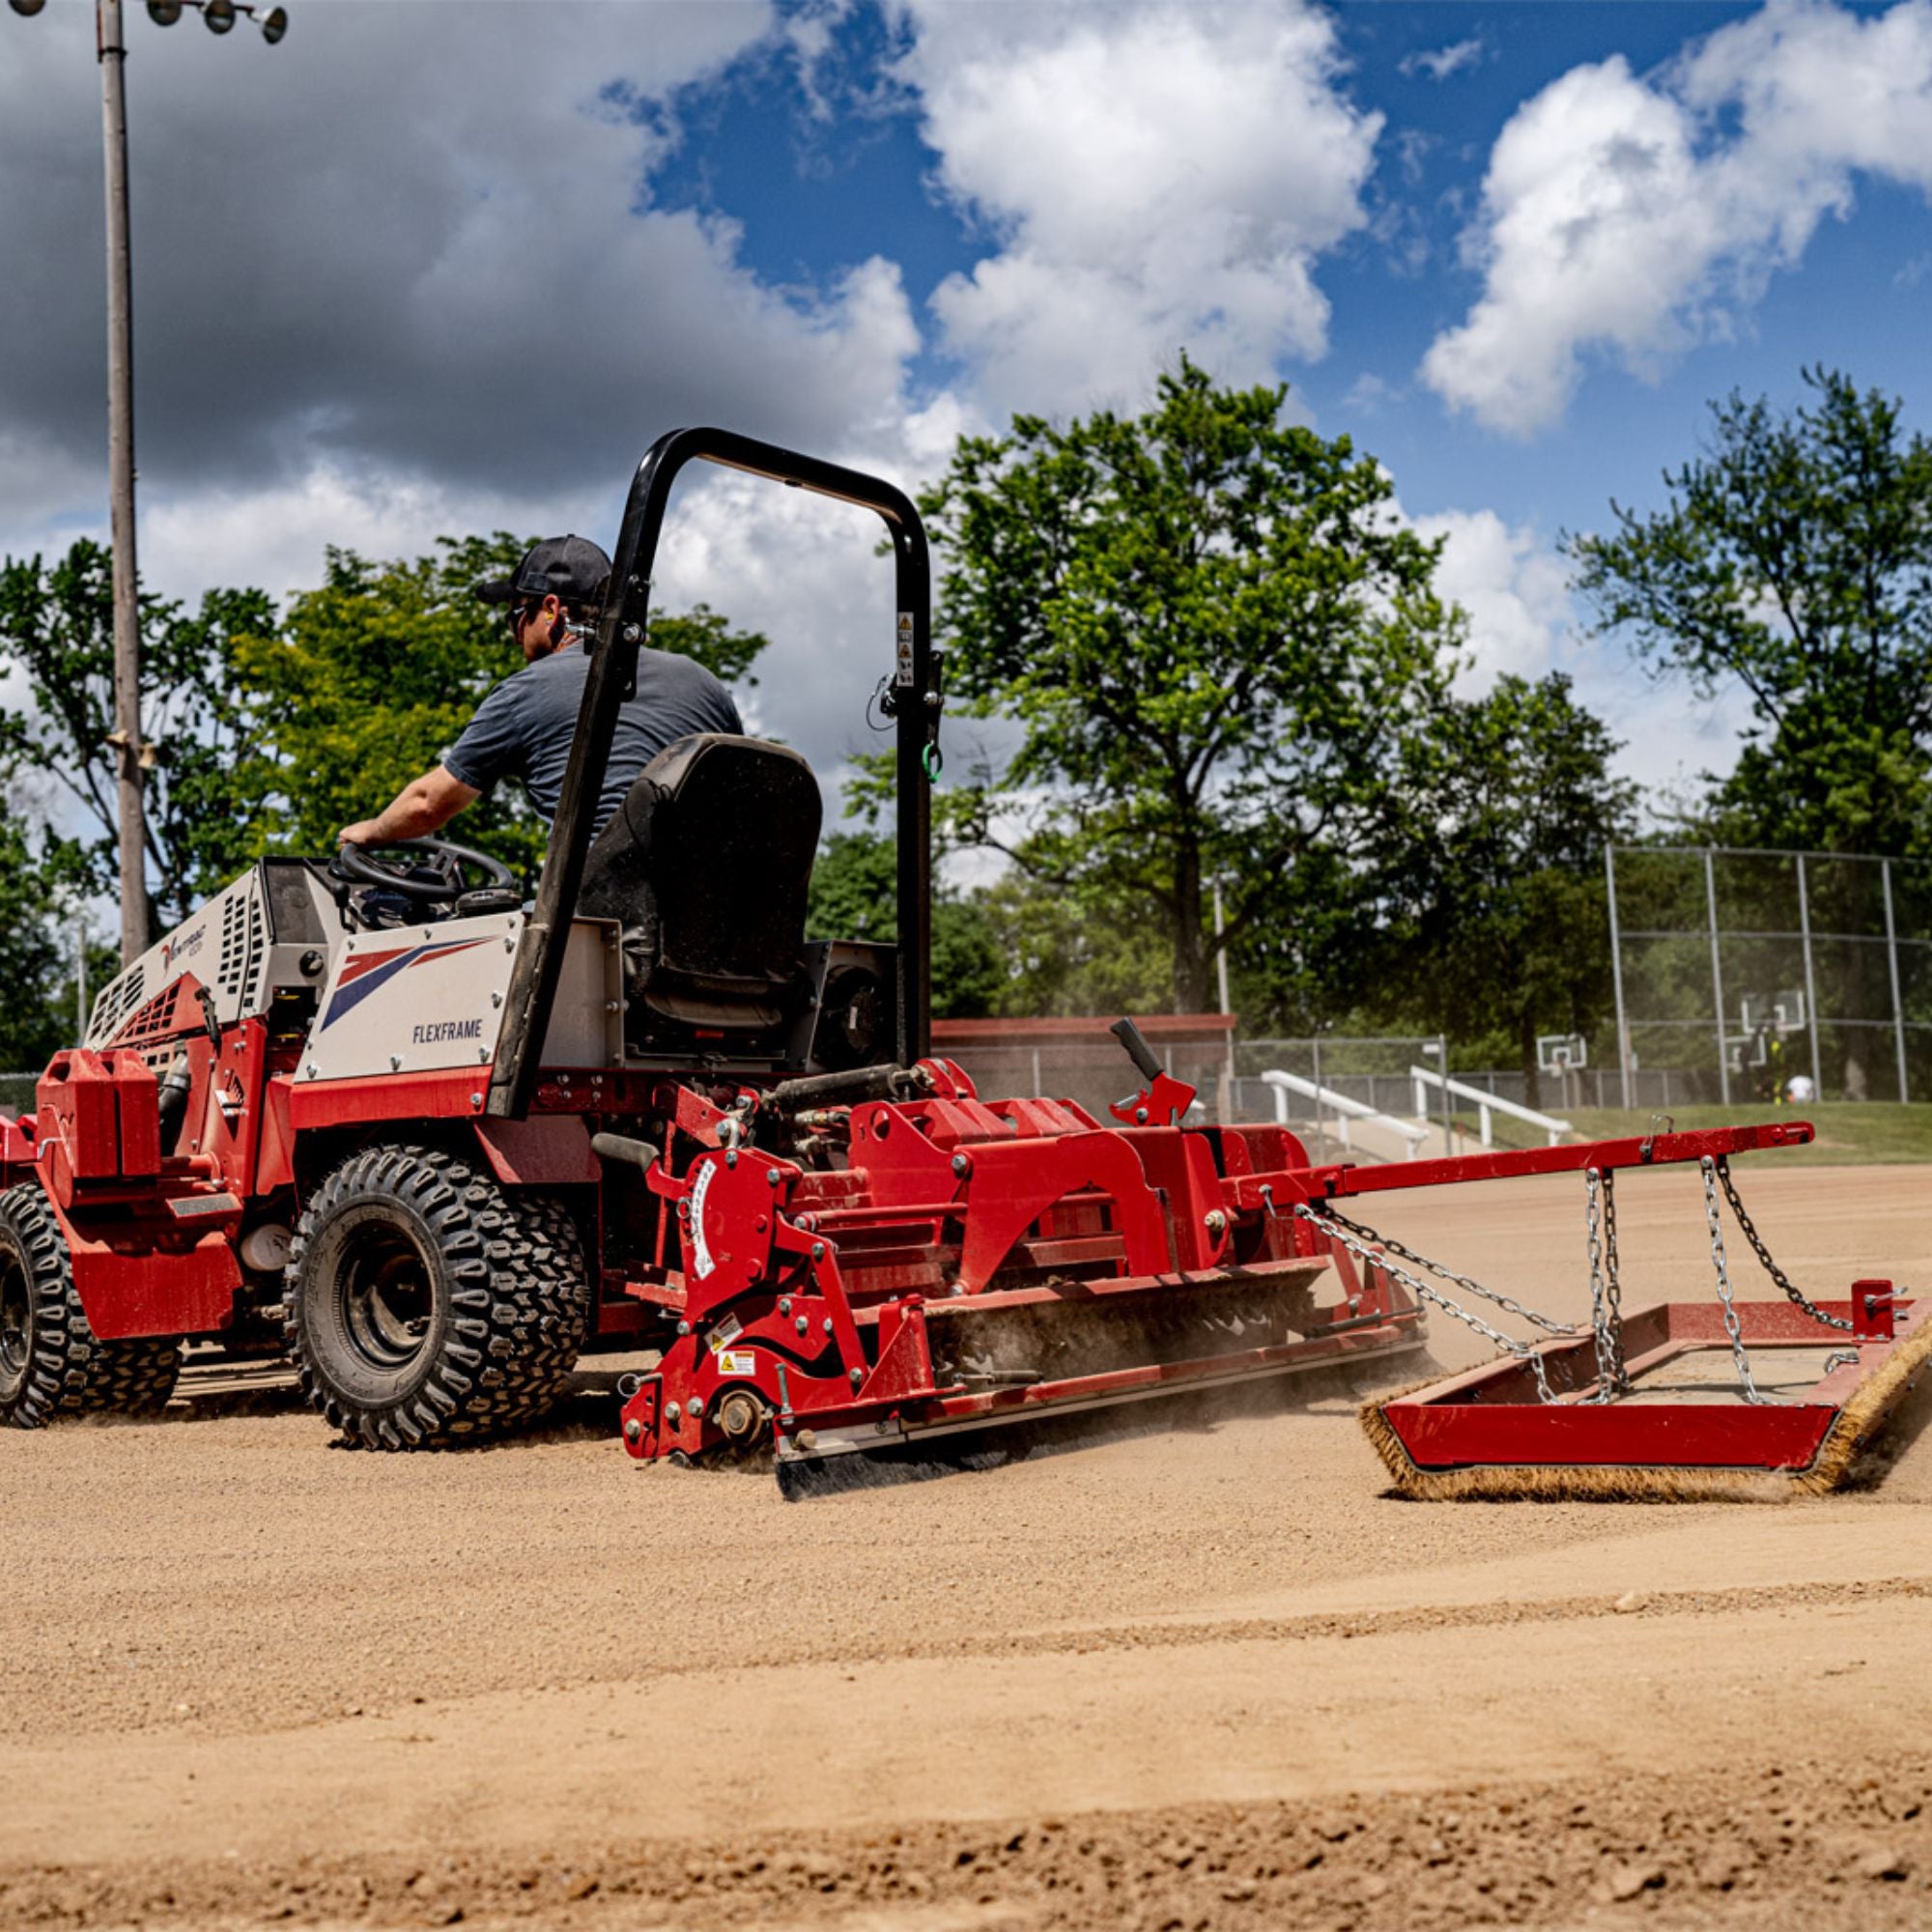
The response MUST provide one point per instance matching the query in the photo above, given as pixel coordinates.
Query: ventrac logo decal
(180, 946)
(373, 971)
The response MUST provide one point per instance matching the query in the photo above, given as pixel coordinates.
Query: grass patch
(1848, 1134)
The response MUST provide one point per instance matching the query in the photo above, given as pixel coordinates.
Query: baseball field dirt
(1203, 1676)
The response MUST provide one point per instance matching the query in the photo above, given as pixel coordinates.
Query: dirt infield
(1205, 1677)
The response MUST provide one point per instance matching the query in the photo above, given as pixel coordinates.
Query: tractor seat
(706, 866)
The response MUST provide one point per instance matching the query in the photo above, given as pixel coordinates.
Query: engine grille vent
(245, 942)
(118, 999)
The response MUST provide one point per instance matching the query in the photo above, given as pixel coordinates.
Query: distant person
(524, 728)
(1800, 1090)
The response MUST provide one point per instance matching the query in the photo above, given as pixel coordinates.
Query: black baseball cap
(571, 569)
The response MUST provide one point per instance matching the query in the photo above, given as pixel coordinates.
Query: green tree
(1211, 632)
(57, 631)
(1793, 560)
(1496, 925)
(855, 895)
(39, 881)
(374, 675)
(1078, 936)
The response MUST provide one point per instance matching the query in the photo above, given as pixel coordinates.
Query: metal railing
(1486, 1105)
(1341, 1106)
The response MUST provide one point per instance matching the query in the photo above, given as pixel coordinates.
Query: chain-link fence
(1745, 970)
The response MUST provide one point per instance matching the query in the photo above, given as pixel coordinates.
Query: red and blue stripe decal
(371, 971)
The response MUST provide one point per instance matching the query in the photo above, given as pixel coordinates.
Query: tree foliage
(374, 675)
(855, 895)
(57, 633)
(1794, 559)
(1210, 630)
(1496, 918)
(41, 881)
(369, 677)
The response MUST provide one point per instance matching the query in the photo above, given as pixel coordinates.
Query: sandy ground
(1207, 1676)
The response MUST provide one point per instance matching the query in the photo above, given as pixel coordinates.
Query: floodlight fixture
(274, 23)
(219, 16)
(27, 6)
(164, 12)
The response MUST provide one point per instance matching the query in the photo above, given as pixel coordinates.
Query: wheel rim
(387, 1296)
(16, 1320)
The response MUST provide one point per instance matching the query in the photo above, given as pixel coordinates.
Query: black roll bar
(613, 671)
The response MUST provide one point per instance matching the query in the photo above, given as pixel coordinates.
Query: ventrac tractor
(438, 1143)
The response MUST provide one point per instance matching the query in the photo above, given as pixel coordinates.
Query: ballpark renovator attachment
(434, 1143)
(1672, 1399)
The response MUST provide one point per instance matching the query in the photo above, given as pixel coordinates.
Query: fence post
(1442, 1068)
(1717, 977)
(1891, 956)
(1617, 973)
(1810, 984)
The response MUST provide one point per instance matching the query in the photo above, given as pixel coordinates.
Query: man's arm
(420, 808)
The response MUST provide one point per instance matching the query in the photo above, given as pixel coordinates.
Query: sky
(443, 266)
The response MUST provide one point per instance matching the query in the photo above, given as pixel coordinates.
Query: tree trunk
(1190, 942)
(1532, 1087)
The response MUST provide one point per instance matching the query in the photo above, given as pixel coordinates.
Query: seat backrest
(707, 864)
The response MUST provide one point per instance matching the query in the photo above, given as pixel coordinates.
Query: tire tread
(517, 1288)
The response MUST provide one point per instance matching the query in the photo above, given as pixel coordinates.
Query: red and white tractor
(437, 1144)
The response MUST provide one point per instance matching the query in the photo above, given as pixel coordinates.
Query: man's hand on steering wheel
(432, 871)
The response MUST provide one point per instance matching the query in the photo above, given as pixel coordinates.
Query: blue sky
(447, 265)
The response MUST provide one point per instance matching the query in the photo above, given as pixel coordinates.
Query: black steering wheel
(433, 873)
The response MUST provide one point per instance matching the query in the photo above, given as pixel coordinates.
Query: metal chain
(1792, 1291)
(1335, 1227)
(1436, 1268)
(1731, 1327)
(1607, 1314)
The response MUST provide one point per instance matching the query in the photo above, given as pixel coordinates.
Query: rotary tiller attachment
(942, 1267)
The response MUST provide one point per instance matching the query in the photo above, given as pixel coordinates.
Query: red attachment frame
(1807, 1404)
(1686, 1409)
(836, 1298)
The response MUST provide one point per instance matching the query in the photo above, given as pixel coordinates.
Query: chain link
(1792, 1291)
(1489, 1295)
(1606, 1312)
(1337, 1228)
(1731, 1327)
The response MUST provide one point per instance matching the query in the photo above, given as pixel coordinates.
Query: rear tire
(52, 1365)
(426, 1305)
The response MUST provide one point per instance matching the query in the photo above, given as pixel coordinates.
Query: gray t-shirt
(524, 728)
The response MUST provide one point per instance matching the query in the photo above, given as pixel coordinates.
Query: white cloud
(1158, 177)
(1515, 590)
(1523, 621)
(404, 242)
(1443, 61)
(1643, 214)
(421, 287)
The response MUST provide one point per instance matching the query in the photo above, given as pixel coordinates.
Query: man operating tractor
(524, 728)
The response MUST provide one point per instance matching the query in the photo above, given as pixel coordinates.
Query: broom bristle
(1854, 1424)
(1862, 1418)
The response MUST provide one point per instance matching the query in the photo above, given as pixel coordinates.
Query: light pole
(132, 756)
